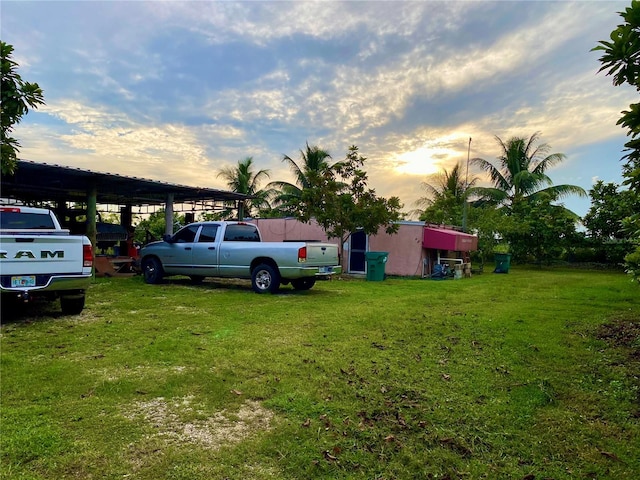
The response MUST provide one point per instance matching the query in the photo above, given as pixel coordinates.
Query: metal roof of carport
(34, 181)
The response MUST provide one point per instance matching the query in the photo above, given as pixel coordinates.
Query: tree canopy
(523, 195)
(621, 59)
(520, 172)
(243, 178)
(339, 199)
(17, 96)
(313, 160)
(445, 196)
(610, 205)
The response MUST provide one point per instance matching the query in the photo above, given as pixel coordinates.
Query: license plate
(325, 269)
(23, 281)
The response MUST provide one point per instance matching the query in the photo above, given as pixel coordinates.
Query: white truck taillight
(302, 254)
(87, 256)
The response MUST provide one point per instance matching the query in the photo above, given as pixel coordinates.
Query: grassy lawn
(528, 375)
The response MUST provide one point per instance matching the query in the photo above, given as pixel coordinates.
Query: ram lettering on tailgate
(44, 254)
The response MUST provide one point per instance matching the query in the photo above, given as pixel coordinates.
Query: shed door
(357, 251)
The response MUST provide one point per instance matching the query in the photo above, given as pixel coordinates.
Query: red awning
(444, 239)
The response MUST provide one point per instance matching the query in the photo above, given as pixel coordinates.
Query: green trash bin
(503, 262)
(375, 265)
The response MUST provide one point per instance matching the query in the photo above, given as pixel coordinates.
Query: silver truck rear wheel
(265, 279)
(303, 283)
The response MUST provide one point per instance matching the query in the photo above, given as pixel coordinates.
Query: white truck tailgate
(40, 254)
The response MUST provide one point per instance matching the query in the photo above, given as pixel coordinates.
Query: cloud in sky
(175, 91)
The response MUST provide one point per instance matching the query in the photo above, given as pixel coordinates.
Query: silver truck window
(186, 235)
(208, 234)
(241, 233)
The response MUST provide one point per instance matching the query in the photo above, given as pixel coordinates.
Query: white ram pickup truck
(40, 259)
(235, 250)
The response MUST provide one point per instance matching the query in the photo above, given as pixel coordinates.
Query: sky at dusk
(175, 91)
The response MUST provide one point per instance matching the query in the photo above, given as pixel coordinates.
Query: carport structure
(37, 183)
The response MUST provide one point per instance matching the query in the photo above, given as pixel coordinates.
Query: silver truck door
(180, 251)
(205, 252)
(237, 249)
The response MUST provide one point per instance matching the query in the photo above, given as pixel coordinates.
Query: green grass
(533, 374)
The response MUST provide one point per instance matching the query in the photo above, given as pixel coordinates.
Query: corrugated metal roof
(34, 181)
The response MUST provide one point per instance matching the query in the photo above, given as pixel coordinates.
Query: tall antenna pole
(465, 204)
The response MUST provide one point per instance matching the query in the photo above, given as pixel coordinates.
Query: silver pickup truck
(40, 259)
(235, 250)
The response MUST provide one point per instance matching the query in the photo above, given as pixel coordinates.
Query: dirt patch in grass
(622, 333)
(181, 422)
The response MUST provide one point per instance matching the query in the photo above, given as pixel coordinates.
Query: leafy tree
(543, 232)
(244, 179)
(339, 199)
(489, 224)
(609, 207)
(522, 190)
(313, 161)
(17, 96)
(632, 259)
(621, 59)
(445, 196)
(608, 237)
(153, 227)
(520, 173)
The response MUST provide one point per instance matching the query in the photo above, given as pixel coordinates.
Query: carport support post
(61, 212)
(126, 220)
(92, 231)
(168, 215)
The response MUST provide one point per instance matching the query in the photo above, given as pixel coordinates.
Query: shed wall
(405, 247)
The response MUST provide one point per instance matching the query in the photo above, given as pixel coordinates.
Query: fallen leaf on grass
(236, 392)
(328, 457)
(610, 455)
(401, 421)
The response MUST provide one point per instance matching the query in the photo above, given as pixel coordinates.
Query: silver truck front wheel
(152, 270)
(264, 279)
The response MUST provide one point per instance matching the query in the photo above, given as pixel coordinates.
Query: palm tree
(522, 191)
(521, 173)
(313, 160)
(243, 179)
(445, 196)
